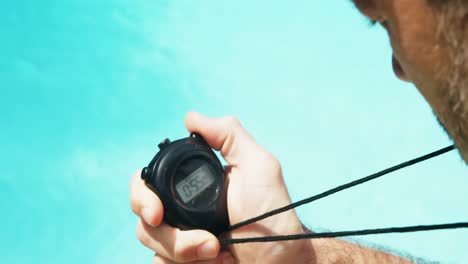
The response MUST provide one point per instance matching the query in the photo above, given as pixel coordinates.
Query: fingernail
(227, 259)
(208, 250)
(148, 215)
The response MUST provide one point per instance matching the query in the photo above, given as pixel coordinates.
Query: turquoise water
(90, 87)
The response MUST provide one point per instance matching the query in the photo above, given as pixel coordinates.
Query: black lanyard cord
(343, 187)
(330, 192)
(364, 232)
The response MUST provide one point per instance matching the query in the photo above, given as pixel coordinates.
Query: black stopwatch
(190, 181)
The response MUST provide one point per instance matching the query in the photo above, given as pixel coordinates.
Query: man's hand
(255, 186)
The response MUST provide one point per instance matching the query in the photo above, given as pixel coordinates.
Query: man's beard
(455, 123)
(454, 116)
(452, 16)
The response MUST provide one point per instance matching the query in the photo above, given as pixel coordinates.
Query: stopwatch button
(164, 144)
(145, 173)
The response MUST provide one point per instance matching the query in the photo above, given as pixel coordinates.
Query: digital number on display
(195, 183)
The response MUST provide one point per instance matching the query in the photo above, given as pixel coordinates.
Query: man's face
(423, 57)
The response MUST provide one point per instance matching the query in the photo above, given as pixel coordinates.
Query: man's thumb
(225, 134)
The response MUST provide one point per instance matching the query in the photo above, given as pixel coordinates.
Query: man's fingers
(175, 244)
(223, 258)
(144, 202)
(225, 134)
(160, 260)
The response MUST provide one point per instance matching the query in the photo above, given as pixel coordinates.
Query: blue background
(88, 89)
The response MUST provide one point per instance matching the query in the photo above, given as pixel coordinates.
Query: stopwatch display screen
(195, 183)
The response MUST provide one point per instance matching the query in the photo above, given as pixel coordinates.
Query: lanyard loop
(338, 189)
(363, 232)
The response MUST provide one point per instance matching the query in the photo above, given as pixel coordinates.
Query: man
(428, 38)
